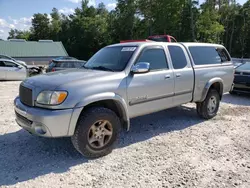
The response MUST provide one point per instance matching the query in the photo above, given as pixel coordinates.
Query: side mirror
(19, 67)
(141, 67)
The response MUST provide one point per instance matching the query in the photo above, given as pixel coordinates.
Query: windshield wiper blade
(103, 68)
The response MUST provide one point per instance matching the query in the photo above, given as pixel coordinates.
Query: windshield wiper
(103, 68)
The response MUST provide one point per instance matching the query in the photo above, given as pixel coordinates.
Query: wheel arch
(111, 101)
(215, 83)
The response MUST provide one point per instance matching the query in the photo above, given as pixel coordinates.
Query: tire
(87, 125)
(207, 111)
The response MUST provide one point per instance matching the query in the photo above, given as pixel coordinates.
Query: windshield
(111, 58)
(244, 67)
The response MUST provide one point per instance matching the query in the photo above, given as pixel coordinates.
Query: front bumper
(45, 122)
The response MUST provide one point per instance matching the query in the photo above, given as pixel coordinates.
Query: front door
(152, 91)
(14, 72)
(3, 70)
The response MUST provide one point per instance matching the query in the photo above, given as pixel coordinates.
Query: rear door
(15, 72)
(183, 74)
(3, 70)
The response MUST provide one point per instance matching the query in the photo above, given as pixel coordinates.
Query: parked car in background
(58, 65)
(10, 58)
(120, 82)
(62, 58)
(11, 70)
(237, 62)
(241, 79)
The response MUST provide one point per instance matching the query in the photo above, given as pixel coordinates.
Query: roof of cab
(187, 44)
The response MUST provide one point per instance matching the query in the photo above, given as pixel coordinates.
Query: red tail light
(53, 70)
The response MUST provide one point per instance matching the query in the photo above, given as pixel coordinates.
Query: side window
(77, 64)
(64, 65)
(58, 64)
(223, 55)
(178, 57)
(10, 64)
(71, 64)
(205, 55)
(2, 64)
(156, 57)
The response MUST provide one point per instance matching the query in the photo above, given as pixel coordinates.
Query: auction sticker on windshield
(128, 49)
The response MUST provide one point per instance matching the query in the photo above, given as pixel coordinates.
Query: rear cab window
(10, 64)
(2, 64)
(208, 55)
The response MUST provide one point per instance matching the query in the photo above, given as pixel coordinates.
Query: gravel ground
(172, 148)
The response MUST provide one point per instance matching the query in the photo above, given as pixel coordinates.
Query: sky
(17, 14)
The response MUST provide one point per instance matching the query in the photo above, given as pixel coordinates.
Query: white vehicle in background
(10, 58)
(11, 70)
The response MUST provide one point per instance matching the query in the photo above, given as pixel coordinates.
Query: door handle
(167, 76)
(178, 75)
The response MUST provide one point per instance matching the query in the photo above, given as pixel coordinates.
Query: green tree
(189, 16)
(85, 31)
(56, 23)
(89, 28)
(209, 28)
(18, 34)
(40, 27)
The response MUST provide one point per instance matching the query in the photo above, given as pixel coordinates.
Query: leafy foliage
(88, 29)
(16, 34)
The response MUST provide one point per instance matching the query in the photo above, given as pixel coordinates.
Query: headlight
(51, 97)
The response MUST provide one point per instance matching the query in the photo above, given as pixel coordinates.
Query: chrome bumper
(44, 122)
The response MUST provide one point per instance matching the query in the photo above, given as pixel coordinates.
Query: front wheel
(210, 106)
(96, 132)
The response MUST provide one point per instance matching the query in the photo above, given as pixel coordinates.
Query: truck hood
(53, 80)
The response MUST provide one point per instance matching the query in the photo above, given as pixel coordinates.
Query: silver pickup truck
(120, 82)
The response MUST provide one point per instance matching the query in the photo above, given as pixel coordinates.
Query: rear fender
(208, 86)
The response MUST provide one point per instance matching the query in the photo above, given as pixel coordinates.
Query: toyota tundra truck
(94, 103)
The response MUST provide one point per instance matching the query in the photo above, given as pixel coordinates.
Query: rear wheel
(96, 132)
(210, 106)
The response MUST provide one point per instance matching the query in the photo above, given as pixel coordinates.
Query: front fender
(100, 97)
(209, 84)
